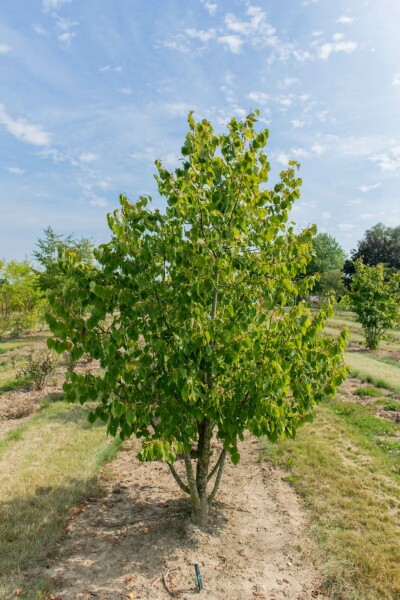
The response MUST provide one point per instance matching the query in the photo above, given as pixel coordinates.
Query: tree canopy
(192, 312)
(376, 301)
(380, 245)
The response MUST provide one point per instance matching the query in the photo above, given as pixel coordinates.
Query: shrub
(40, 364)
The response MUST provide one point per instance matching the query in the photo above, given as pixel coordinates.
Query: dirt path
(257, 545)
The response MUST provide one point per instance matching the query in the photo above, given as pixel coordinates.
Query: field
(319, 515)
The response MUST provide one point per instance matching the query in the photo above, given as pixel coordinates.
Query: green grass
(47, 465)
(370, 392)
(367, 368)
(346, 467)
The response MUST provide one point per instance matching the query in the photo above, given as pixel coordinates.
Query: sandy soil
(121, 545)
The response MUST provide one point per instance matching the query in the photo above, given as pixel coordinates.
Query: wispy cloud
(388, 161)
(40, 30)
(338, 44)
(98, 201)
(396, 79)
(23, 130)
(345, 20)
(110, 69)
(297, 124)
(5, 48)
(258, 97)
(15, 170)
(211, 7)
(65, 27)
(368, 188)
(231, 42)
(54, 4)
(88, 157)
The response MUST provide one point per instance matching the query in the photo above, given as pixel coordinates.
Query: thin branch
(215, 467)
(178, 480)
(218, 479)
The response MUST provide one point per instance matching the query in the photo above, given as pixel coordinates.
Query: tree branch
(178, 480)
(218, 479)
(215, 467)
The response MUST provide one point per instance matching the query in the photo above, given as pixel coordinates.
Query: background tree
(191, 313)
(380, 245)
(327, 260)
(49, 254)
(21, 304)
(376, 301)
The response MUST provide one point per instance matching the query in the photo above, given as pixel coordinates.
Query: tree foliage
(327, 262)
(380, 245)
(375, 299)
(21, 304)
(49, 254)
(192, 313)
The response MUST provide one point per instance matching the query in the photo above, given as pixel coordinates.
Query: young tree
(192, 312)
(327, 261)
(49, 255)
(375, 299)
(21, 305)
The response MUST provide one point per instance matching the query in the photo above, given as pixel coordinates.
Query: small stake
(199, 581)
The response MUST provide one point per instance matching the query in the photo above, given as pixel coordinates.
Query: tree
(376, 301)
(49, 255)
(328, 255)
(380, 245)
(192, 313)
(327, 261)
(21, 305)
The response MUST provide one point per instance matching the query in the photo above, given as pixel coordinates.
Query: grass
(366, 367)
(346, 467)
(370, 392)
(47, 465)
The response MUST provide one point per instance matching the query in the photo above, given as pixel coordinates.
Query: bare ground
(121, 545)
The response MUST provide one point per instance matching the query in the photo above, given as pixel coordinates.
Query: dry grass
(46, 466)
(352, 491)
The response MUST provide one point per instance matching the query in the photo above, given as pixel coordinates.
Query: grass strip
(369, 369)
(348, 482)
(47, 465)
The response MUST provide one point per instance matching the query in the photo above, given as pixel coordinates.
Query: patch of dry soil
(119, 546)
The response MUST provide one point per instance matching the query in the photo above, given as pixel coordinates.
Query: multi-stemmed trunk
(198, 478)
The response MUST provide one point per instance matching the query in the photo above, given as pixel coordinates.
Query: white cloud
(200, 34)
(109, 68)
(88, 157)
(337, 45)
(297, 124)
(127, 91)
(367, 188)
(345, 226)
(326, 215)
(66, 38)
(282, 158)
(4, 48)
(345, 20)
(23, 130)
(396, 79)
(317, 33)
(15, 170)
(98, 201)
(232, 42)
(178, 109)
(54, 4)
(386, 162)
(40, 30)
(211, 7)
(258, 97)
(299, 153)
(367, 216)
(318, 149)
(289, 81)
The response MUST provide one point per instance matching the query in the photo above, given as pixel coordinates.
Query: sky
(93, 91)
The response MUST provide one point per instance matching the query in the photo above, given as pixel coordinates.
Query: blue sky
(93, 91)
